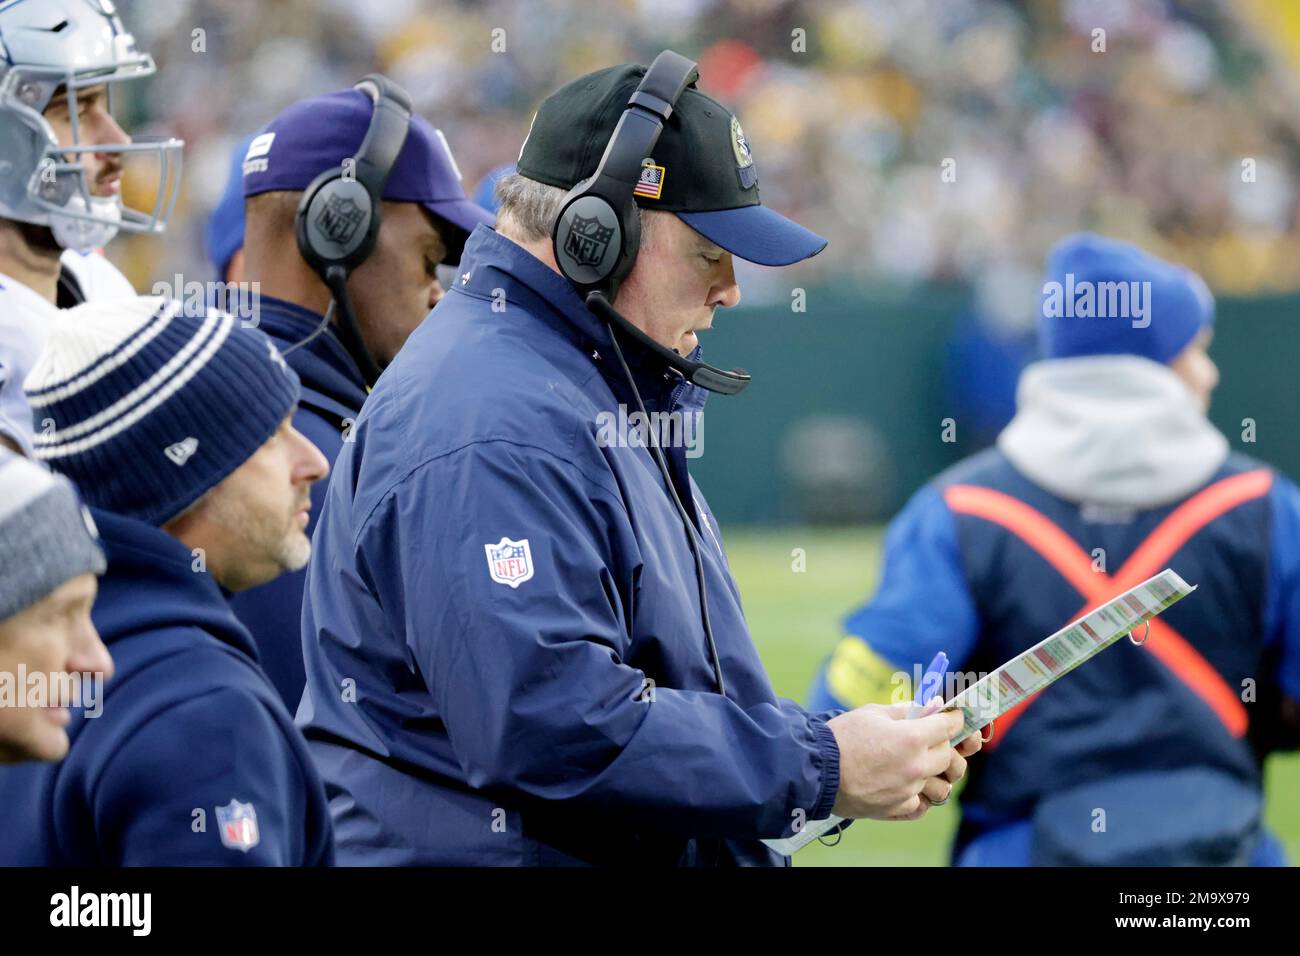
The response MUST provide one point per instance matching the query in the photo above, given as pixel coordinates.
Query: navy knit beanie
(1106, 297)
(146, 408)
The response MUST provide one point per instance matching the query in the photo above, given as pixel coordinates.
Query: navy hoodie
(193, 759)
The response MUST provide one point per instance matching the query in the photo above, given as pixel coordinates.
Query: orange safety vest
(1096, 587)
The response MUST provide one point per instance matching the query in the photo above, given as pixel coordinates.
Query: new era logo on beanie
(146, 408)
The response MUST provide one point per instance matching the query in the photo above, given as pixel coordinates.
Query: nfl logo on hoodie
(238, 825)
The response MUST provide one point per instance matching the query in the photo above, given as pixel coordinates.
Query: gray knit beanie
(47, 536)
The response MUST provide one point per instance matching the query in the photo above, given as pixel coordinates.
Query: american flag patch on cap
(651, 184)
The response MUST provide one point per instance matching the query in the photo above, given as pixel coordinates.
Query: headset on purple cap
(339, 214)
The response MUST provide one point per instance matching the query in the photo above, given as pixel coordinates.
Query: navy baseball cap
(317, 134)
(702, 168)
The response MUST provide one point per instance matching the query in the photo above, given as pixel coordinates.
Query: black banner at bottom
(999, 906)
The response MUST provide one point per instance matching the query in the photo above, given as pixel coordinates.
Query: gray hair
(529, 209)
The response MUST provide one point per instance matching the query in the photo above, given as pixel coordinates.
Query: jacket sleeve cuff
(829, 757)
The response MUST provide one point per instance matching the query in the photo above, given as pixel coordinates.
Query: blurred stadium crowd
(851, 106)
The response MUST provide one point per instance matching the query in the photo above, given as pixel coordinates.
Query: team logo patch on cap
(238, 825)
(651, 184)
(744, 159)
(509, 562)
(255, 160)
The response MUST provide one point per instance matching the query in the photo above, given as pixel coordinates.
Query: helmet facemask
(58, 192)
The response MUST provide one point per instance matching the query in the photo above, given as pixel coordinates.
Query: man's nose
(108, 133)
(312, 466)
(727, 292)
(88, 653)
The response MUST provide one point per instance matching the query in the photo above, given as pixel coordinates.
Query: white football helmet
(52, 45)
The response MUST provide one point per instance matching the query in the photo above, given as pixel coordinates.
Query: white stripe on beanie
(162, 313)
(196, 383)
(215, 330)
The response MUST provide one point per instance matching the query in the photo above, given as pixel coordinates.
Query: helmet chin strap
(83, 235)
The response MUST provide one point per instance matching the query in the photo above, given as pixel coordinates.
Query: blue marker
(931, 681)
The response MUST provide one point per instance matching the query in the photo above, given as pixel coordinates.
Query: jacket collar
(151, 585)
(492, 262)
(322, 364)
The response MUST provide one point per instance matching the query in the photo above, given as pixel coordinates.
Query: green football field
(795, 617)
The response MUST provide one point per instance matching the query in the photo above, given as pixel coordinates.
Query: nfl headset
(339, 214)
(605, 201)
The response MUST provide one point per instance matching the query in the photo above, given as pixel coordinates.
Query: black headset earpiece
(598, 232)
(340, 211)
(339, 214)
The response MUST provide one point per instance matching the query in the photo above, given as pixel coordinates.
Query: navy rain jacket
(492, 588)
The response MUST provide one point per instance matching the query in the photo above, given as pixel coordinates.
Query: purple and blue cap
(317, 134)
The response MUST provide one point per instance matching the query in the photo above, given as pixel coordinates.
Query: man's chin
(295, 551)
(45, 743)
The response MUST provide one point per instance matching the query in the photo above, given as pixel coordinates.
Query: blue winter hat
(485, 193)
(1106, 297)
(145, 408)
(223, 234)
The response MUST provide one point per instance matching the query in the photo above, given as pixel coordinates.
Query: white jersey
(25, 317)
(99, 279)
